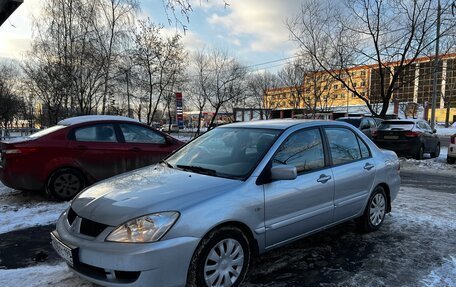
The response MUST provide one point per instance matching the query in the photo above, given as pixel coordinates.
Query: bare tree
(221, 81)
(381, 33)
(116, 20)
(162, 60)
(10, 103)
(257, 86)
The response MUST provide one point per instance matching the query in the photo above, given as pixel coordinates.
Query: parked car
(367, 125)
(170, 128)
(451, 157)
(410, 137)
(79, 151)
(238, 190)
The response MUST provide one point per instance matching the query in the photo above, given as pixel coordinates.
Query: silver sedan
(197, 218)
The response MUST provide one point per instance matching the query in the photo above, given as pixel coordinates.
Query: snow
(42, 275)
(446, 131)
(444, 275)
(431, 165)
(26, 209)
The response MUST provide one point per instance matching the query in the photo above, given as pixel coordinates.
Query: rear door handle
(324, 178)
(368, 166)
(135, 149)
(81, 147)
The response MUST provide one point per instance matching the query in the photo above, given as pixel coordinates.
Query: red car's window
(139, 134)
(96, 133)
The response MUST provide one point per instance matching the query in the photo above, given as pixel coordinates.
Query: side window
(139, 134)
(365, 153)
(427, 126)
(303, 149)
(96, 133)
(372, 123)
(364, 124)
(343, 144)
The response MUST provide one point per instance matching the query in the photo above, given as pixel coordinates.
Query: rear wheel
(375, 211)
(436, 152)
(420, 154)
(65, 183)
(221, 259)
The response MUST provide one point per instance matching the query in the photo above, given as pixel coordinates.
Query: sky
(253, 31)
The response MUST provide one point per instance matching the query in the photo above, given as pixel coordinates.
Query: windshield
(225, 152)
(396, 125)
(47, 131)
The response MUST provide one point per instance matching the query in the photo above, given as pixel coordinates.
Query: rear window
(396, 125)
(46, 131)
(353, 122)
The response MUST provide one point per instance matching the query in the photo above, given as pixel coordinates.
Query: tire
(420, 154)
(436, 152)
(375, 212)
(451, 160)
(64, 184)
(209, 268)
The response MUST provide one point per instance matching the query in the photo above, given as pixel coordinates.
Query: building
(7, 7)
(320, 94)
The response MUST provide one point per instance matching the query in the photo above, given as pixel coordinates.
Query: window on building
(363, 84)
(336, 87)
(363, 73)
(353, 95)
(354, 85)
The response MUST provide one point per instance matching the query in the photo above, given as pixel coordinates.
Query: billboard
(179, 111)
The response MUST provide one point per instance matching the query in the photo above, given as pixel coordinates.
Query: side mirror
(283, 172)
(434, 131)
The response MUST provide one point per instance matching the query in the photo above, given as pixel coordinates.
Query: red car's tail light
(453, 139)
(19, 151)
(412, 134)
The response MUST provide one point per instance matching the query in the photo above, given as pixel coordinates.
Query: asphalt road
(433, 182)
(324, 259)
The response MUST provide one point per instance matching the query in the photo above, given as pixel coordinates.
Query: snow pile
(42, 275)
(430, 165)
(446, 131)
(26, 209)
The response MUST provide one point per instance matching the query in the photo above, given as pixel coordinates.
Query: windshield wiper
(167, 163)
(197, 169)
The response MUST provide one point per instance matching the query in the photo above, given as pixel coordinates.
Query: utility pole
(436, 67)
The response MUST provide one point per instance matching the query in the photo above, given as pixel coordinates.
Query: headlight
(148, 228)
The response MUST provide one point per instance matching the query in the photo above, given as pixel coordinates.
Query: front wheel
(375, 211)
(221, 259)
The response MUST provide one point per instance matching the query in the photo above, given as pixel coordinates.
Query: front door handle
(135, 149)
(368, 166)
(324, 178)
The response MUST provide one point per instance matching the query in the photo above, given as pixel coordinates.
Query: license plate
(63, 250)
(391, 137)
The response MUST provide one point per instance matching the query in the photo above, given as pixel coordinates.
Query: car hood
(147, 190)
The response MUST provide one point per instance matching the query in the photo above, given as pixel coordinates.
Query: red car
(79, 151)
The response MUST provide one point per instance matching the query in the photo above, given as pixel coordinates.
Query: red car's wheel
(65, 183)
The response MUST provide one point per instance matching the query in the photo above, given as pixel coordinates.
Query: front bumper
(163, 263)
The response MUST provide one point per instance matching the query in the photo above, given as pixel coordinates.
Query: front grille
(88, 227)
(91, 228)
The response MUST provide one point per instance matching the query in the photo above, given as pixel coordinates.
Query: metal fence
(16, 132)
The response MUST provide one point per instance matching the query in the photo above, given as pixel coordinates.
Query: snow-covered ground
(442, 131)
(416, 245)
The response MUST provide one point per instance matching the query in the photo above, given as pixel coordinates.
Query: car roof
(93, 118)
(279, 124)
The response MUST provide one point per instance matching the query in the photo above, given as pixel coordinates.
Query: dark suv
(411, 138)
(367, 125)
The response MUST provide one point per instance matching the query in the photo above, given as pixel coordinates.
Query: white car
(451, 157)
